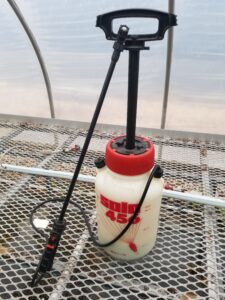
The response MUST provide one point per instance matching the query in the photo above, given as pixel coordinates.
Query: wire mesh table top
(188, 261)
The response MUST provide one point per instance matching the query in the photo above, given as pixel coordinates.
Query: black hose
(48, 255)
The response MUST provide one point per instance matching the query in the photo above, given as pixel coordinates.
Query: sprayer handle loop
(165, 21)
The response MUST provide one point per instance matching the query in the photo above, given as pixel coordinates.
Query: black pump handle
(166, 20)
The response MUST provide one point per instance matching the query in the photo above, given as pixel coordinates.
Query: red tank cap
(130, 164)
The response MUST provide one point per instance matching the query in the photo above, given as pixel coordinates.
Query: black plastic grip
(165, 20)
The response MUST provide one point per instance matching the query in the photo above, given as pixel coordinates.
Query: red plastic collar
(132, 164)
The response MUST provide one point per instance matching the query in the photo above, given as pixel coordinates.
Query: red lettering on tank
(104, 201)
(132, 208)
(114, 206)
(121, 208)
(124, 207)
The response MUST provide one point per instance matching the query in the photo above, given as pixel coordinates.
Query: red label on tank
(118, 211)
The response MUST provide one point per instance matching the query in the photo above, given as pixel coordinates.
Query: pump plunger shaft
(133, 73)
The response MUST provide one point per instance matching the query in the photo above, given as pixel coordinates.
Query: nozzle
(123, 32)
(48, 255)
(119, 43)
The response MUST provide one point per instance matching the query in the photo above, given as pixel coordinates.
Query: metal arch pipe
(168, 67)
(37, 50)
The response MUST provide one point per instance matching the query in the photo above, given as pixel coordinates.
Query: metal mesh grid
(187, 261)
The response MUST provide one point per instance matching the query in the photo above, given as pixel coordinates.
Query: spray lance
(127, 205)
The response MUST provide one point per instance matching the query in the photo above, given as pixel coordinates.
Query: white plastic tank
(119, 187)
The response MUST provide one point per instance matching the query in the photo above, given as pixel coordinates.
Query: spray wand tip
(124, 28)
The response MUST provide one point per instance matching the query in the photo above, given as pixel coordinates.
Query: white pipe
(194, 198)
(87, 178)
(44, 172)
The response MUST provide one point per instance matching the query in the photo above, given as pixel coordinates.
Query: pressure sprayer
(128, 184)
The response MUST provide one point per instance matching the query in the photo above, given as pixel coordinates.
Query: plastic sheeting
(77, 56)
